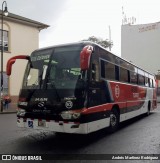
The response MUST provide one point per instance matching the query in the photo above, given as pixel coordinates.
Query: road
(140, 135)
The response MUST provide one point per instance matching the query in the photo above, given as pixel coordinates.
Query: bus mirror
(85, 56)
(12, 60)
(9, 66)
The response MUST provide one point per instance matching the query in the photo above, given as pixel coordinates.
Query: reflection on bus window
(32, 78)
(123, 75)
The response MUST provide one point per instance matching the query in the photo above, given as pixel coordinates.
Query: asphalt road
(140, 135)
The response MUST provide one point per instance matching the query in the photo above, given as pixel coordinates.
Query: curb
(11, 112)
(12, 108)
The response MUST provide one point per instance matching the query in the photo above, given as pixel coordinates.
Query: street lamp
(4, 13)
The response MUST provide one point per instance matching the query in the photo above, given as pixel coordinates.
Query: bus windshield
(55, 68)
(64, 68)
(35, 69)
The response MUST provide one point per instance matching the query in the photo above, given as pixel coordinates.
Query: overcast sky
(75, 20)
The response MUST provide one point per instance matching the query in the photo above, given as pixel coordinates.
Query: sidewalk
(12, 108)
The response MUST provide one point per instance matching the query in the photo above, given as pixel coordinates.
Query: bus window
(32, 78)
(146, 82)
(151, 83)
(123, 75)
(154, 83)
(141, 80)
(117, 72)
(133, 77)
(102, 69)
(93, 72)
(107, 70)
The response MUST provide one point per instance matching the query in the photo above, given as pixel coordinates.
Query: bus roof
(93, 44)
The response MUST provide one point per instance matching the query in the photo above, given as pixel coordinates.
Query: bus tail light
(70, 115)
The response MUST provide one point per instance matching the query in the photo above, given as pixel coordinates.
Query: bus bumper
(51, 125)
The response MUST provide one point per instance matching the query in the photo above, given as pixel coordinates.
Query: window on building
(5, 40)
(5, 83)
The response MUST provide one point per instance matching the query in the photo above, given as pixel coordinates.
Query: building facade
(20, 37)
(140, 44)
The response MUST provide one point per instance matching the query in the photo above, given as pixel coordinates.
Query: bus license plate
(30, 124)
(42, 123)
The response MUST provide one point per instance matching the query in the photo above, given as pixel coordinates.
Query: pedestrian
(6, 101)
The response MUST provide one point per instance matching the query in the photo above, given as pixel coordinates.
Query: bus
(81, 88)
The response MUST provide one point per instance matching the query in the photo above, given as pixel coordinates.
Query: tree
(104, 43)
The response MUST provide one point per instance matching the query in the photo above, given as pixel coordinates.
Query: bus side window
(124, 75)
(149, 84)
(109, 70)
(94, 72)
(133, 77)
(102, 69)
(141, 80)
(146, 82)
(152, 83)
(117, 72)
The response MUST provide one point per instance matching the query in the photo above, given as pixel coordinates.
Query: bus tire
(114, 120)
(148, 109)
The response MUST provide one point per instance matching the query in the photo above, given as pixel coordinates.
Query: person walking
(6, 101)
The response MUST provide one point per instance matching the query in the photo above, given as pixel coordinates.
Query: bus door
(97, 94)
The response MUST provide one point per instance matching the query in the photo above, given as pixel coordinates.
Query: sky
(76, 20)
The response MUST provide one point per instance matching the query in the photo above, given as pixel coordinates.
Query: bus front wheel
(114, 120)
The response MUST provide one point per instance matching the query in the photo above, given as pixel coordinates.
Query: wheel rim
(113, 120)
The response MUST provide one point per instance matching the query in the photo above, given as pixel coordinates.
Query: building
(21, 37)
(140, 44)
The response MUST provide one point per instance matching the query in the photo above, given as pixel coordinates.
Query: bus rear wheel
(114, 120)
(148, 109)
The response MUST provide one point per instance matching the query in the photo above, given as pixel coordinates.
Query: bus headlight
(21, 112)
(70, 115)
